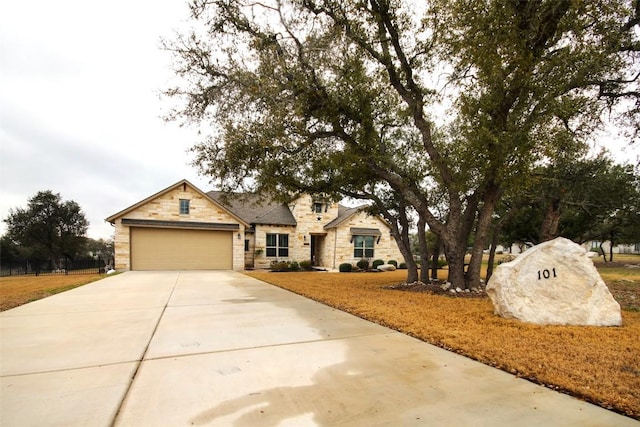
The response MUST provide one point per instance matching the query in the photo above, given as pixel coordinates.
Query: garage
(180, 249)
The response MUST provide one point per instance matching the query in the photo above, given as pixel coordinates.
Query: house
(184, 228)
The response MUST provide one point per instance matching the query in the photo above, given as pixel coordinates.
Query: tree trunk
(473, 280)
(434, 258)
(412, 268)
(602, 251)
(424, 252)
(455, 260)
(611, 236)
(400, 231)
(404, 247)
(549, 228)
(455, 246)
(492, 251)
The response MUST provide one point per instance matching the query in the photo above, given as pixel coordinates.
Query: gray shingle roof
(254, 209)
(344, 213)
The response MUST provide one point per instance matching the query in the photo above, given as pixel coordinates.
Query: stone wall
(260, 238)
(334, 246)
(386, 249)
(166, 207)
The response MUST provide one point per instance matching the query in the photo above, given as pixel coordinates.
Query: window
(184, 207)
(363, 246)
(246, 245)
(278, 245)
(317, 208)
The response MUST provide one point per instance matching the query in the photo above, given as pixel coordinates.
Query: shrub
(377, 262)
(363, 264)
(294, 266)
(393, 262)
(306, 265)
(279, 266)
(403, 266)
(345, 268)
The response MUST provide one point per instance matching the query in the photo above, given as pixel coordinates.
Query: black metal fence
(63, 266)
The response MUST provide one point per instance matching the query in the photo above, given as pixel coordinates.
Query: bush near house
(393, 262)
(294, 266)
(377, 262)
(346, 267)
(279, 266)
(306, 265)
(363, 264)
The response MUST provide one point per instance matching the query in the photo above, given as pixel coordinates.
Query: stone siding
(166, 207)
(260, 239)
(333, 246)
(386, 249)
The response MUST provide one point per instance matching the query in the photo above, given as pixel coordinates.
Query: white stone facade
(165, 206)
(317, 231)
(310, 240)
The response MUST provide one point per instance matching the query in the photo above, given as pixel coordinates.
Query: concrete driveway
(220, 348)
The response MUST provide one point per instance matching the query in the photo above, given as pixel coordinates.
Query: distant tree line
(49, 232)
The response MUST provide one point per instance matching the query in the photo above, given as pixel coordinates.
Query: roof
(255, 209)
(344, 213)
(359, 231)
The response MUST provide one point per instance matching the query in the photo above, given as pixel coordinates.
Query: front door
(316, 244)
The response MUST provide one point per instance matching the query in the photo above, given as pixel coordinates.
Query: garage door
(180, 249)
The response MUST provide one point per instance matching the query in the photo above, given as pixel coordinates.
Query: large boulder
(553, 283)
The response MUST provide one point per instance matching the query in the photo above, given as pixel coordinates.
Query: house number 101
(546, 274)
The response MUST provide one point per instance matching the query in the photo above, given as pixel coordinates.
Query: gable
(165, 206)
(357, 218)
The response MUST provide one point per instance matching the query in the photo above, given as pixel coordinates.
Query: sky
(80, 105)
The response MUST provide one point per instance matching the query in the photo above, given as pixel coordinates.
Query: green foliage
(345, 268)
(402, 266)
(333, 98)
(101, 248)
(377, 262)
(592, 199)
(48, 228)
(9, 251)
(393, 262)
(363, 264)
(306, 265)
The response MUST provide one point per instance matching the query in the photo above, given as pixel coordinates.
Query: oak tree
(49, 228)
(340, 97)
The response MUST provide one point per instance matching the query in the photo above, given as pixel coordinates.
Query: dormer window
(184, 207)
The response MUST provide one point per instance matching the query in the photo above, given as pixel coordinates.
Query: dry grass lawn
(600, 365)
(18, 290)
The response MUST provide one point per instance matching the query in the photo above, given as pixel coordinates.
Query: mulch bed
(437, 288)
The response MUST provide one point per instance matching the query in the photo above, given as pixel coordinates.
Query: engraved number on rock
(547, 274)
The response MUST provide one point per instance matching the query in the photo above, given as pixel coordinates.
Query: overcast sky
(80, 111)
